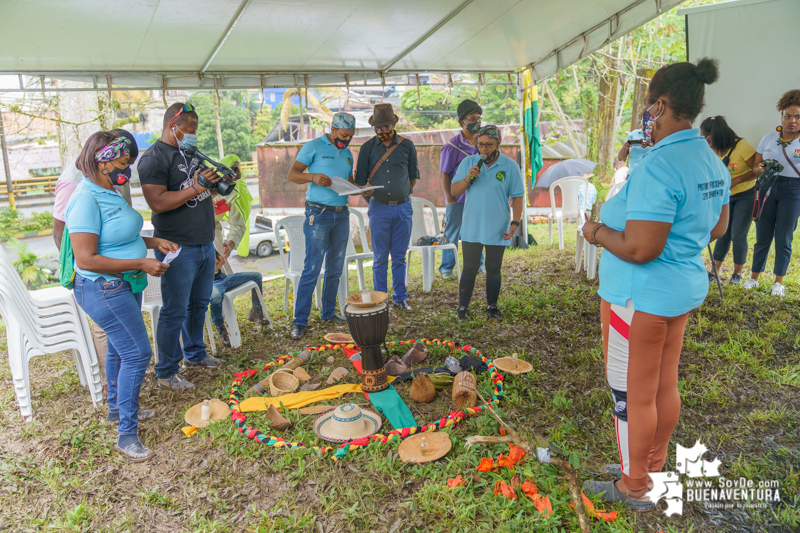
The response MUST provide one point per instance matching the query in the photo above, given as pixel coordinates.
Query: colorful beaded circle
(451, 420)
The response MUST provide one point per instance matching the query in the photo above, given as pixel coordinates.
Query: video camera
(223, 186)
(771, 168)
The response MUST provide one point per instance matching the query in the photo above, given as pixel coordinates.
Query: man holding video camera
(183, 212)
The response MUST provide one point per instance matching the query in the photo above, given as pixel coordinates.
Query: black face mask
(119, 176)
(493, 156)
(340, 143)
(472, 128)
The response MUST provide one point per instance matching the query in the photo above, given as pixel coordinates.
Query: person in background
(453, 153)
(389, 161)
(327, 224)
(111, 261)
(738, 155)
(780, 202)
(488, 222)
(633, 149)
(235, 209)
(66, 184)
(652, 273)
(183, 212)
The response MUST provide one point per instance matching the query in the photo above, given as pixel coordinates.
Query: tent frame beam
(228, 30)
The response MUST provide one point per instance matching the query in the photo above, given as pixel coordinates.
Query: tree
(237, 137)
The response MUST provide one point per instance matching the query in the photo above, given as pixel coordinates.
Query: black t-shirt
(193, 222)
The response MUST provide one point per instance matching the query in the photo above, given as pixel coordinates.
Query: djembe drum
(369, 326)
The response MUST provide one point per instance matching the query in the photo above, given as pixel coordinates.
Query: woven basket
(281, 383)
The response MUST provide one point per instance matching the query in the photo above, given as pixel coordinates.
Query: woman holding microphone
(490, 180)
(652, 273)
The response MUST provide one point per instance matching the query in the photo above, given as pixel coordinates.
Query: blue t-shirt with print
(487, 214)
(322, 157)
(93, 209)
(684, 183)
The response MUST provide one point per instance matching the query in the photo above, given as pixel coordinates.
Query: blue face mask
(189, 140)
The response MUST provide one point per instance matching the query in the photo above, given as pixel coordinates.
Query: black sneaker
(493, 313)
(209, 362)
(463, 314)
(736, 279)
(711, 277)
(297, 332)
(257, 315)
(335, 319)
(223, 336)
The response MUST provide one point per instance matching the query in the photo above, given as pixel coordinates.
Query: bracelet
(514, 222)
(195, 189)
(592, 236)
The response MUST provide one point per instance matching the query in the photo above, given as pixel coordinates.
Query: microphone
(480, 164)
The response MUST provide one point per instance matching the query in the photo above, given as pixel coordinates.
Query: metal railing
(24, 188)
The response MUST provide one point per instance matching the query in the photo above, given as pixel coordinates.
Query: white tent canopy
(203, 44)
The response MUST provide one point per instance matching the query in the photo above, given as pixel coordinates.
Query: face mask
(383, 137)
(649, 124)
(472, 128)
(189, 140)
(340, 143)
(120, 176)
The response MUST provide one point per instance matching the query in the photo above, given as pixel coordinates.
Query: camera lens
(225, 187)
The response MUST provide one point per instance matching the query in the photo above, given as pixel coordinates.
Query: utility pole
(6, 166)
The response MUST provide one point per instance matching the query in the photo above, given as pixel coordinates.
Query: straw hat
(219, 411)
(512, 365)
(346, 422)
(410, 450)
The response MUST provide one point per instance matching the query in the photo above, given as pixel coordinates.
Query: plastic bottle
(424, 447)
(205, 411)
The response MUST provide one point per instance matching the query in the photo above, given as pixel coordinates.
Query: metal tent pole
(522, 230)
(6, 166)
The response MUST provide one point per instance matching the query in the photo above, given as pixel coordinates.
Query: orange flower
(542, 504)
(502, 488)
(608, 517)
(456, 481)
(515, 482)
(486, 465)
(504, 460)
(594, 513)
(516, 453)
(529, 488)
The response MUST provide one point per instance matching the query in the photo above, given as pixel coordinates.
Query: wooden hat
(439, 444)
(512, 365)
(219, 411)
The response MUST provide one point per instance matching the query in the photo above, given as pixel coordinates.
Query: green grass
(739, 379)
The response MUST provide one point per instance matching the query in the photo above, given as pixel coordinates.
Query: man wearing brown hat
(390, 161)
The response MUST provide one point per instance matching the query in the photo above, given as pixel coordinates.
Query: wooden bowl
(378, 297)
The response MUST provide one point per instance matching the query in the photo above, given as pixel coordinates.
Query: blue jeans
(739, 219)
(326, 237)
(186, 292)
(452, 229)
(390, 226)
(223, 283)
(113, 307)
(778, 220)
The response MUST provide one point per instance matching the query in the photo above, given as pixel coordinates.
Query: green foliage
(27, 265)
(13, 223)
(234, 122)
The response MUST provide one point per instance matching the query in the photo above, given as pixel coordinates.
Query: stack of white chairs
(428, 253)
(352, 255)
(293, 267)
(44, 321)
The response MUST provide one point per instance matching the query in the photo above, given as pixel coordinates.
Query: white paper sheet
(170, 256)
(344, 188)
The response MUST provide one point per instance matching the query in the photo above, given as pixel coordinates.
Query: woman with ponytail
(779, 200)
(652, 273)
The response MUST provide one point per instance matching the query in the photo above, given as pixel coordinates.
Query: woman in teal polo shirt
(652, 273)
(487, 222)
(111, 262)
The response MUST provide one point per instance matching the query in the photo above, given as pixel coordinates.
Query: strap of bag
(727, 158)
(383, 159)
(789, 160)
(457, 148)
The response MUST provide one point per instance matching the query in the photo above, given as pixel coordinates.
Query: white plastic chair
(293, 268)
(228, 311)
(152, 302)
(620, 175)
(42, 322)
(352, 255)
(614, 190)
(590, 250)
(570, 206)
(428, 253)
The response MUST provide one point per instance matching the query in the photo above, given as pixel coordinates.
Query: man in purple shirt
(453, 152)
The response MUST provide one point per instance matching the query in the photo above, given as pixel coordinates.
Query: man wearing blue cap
(327, 225)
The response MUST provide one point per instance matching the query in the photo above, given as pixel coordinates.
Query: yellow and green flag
(530, 127)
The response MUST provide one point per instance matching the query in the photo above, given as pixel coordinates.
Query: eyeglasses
(472, 120)
(487, 145)
(186, 107)
(382, 128)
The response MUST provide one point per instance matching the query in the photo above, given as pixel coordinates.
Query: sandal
(616, 471)
(608, 491)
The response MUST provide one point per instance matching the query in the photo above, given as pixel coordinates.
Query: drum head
(353, 310)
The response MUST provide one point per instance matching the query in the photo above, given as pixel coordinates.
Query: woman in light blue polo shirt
(110, 267)
(652, 273)
(487, 221)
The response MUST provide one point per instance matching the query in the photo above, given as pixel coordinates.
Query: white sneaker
(778, 289)
(750, 284)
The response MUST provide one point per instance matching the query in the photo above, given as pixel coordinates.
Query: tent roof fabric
(206, 44)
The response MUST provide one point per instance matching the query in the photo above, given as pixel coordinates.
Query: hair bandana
(114, 150)
(345, 121)
(491, 131)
